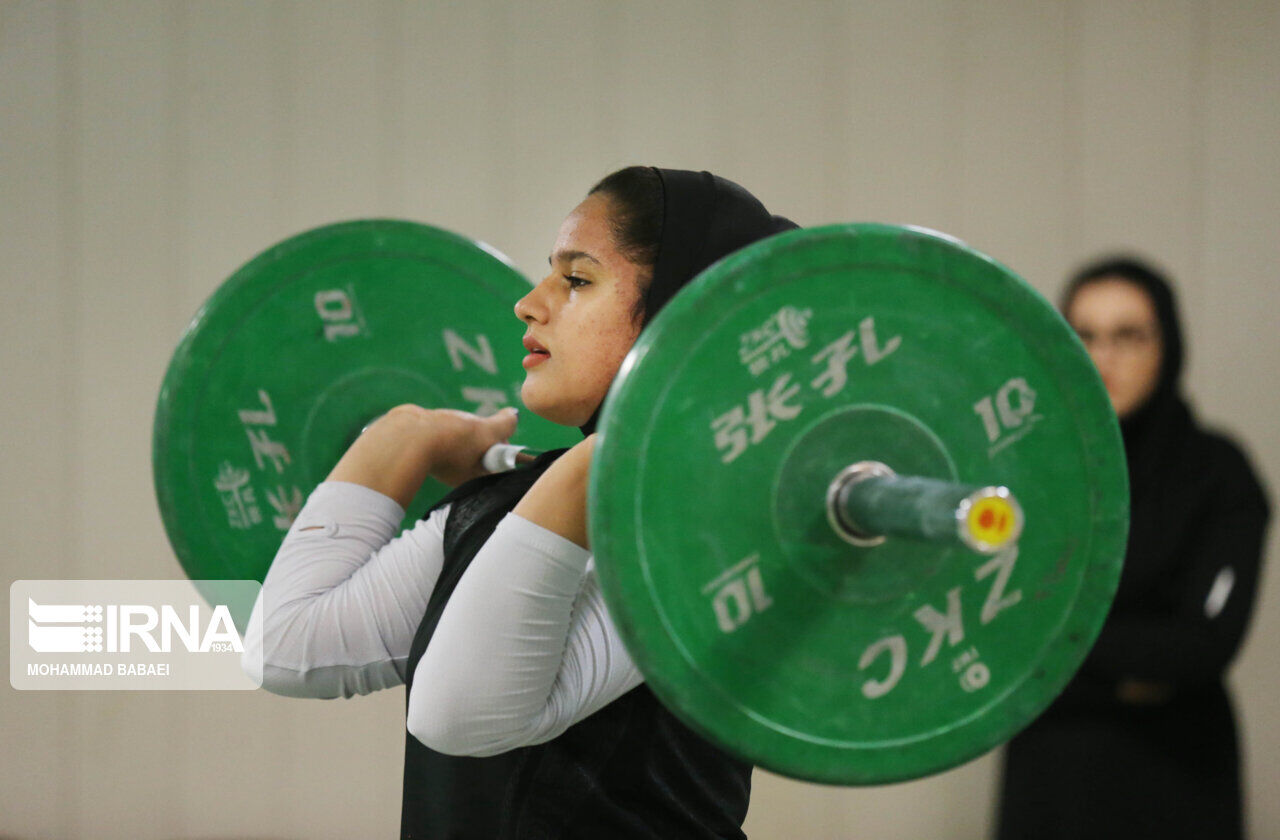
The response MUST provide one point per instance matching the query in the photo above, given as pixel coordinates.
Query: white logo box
(130, 635)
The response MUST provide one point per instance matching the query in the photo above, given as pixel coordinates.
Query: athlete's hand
(558, 499)
(397, 452)
(459, 440)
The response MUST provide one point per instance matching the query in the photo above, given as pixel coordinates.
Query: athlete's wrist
(393, 455)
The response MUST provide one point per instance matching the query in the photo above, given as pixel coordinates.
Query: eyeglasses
(1126, 339)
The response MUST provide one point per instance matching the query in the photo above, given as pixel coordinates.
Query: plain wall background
(147, 149)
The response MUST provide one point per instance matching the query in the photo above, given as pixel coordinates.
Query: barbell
(858, 499)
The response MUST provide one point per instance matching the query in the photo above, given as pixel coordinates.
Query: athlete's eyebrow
(570, 256)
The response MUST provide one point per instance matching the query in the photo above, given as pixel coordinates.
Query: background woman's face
(579, 319)
(1117, 322)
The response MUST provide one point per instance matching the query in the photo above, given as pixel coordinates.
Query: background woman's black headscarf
(1157, 427)
(1157, 434)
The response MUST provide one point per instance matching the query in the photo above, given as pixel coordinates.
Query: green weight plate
(293, 355)
(744, 398)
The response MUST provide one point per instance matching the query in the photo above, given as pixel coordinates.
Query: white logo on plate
(784, 331)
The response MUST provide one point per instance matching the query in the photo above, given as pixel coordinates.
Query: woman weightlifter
(526, 716)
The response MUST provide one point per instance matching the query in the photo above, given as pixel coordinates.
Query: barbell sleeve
(868, 503)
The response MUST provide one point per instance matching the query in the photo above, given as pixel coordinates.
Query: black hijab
(1155, 430)
(1159, 436)
(704, 219)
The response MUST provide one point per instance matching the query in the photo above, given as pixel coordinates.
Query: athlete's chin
(543, 401)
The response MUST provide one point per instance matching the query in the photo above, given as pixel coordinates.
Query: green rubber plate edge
(237, 297)
(703, 706)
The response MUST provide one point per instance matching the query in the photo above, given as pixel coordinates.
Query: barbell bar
(802, 496)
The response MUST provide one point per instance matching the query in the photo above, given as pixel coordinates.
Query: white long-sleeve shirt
(524, 649)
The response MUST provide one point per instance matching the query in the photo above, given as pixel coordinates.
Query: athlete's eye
(576, 282)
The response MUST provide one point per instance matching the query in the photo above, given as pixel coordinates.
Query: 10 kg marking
(339, 313)
(1008, 414)
(739, 594)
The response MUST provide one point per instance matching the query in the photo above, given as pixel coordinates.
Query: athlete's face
(1117, 322)
(580, 319)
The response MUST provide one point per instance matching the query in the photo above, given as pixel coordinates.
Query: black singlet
(631, 770)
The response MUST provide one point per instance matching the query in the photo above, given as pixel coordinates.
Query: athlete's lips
(537, 353)
(534, 346)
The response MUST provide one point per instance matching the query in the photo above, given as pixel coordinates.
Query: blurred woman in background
(1142, 743)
